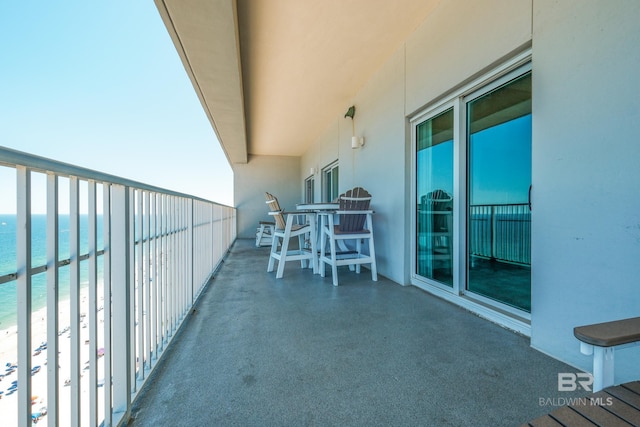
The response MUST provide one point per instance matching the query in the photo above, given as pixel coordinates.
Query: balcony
(184, 347)
(297, 351)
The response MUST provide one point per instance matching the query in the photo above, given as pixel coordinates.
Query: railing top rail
(12, 158)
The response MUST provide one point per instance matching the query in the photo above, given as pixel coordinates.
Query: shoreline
(8, 320)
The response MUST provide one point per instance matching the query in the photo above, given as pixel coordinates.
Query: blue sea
(8, 265)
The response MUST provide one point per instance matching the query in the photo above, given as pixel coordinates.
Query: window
(309, 189)
(330, 182)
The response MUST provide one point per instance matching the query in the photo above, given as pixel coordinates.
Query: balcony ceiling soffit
(304, 61)
(205, 35)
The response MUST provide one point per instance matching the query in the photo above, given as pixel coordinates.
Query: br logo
(568, 381)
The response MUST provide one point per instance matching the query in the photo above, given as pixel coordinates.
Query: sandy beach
(9, 355)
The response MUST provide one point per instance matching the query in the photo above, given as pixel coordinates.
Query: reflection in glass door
(499, 182)
(434, 201)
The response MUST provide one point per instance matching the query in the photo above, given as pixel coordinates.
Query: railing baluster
(93, 304)
(215, 234)
(182, 253)
(179, 256)
(187, 265)
(23, 258)
(132, 291)
(158, 274)
(168, 269)
(107, 359)
(140, 287)
(120, 279)
(172, 265)
(180, 262)
(74, 297)
(164, 260)
(147, 278)
(53, 379)
(176, 265)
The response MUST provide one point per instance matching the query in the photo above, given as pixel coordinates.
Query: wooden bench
(613, 406)
(600, 340)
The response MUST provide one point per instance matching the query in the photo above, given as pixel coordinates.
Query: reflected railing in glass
(501, 232)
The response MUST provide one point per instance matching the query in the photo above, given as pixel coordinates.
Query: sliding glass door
(499, 182)
(472, 184)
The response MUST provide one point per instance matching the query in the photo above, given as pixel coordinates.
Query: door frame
(507, 316)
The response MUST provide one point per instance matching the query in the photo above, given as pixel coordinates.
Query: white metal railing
(139, 253)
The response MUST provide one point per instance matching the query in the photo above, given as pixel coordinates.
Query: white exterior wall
(324, 152)
(459, 41)
(380, 120)
(277, 175)
(586, 178)
(585, 173)
(381, 165)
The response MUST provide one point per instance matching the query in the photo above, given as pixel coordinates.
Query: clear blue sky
(100, 85)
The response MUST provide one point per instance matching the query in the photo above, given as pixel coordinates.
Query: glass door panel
(499, 180)
(434, 198)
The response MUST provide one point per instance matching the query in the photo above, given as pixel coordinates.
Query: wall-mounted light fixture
(356, 142)
(312, 171)
(350, 112)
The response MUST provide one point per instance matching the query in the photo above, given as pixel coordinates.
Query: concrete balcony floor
(297, 351)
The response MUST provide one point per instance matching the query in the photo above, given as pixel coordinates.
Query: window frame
(330, 182)
(415, 122)
(309, 189)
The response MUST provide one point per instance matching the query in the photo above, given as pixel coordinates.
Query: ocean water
(8, 264)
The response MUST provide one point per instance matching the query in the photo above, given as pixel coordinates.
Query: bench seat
(610, 334)
(600, 340)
